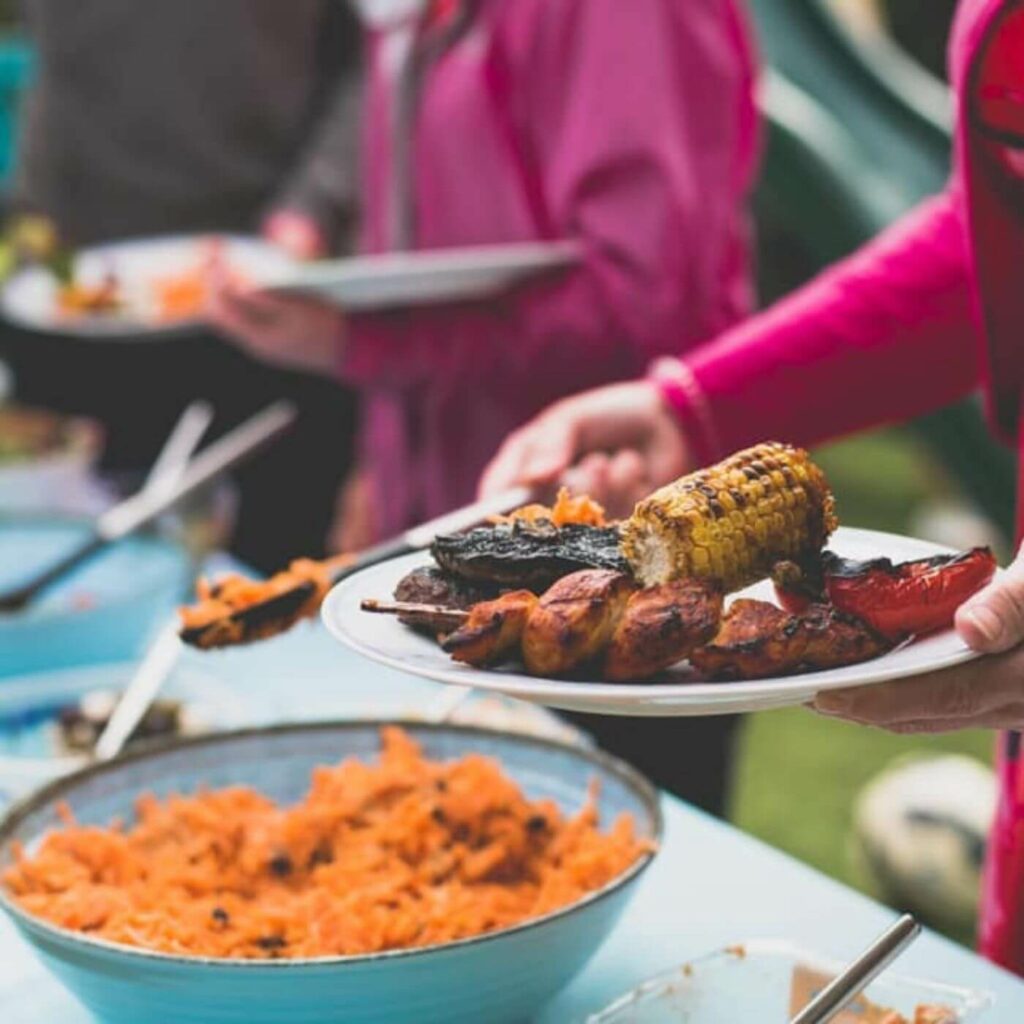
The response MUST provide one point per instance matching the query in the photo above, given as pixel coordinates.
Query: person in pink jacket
(631, 133)
(927, 313)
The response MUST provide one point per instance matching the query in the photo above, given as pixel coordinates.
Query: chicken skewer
(593, 618)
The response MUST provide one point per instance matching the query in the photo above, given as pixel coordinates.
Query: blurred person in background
(922, 316)
(631, 133)
(163, 119)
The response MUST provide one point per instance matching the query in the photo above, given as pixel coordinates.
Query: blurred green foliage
(922, 29)
(799, 775)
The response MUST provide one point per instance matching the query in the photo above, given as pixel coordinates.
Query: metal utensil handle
(217, 458)
(179, 447)
(842, 990)
(420, 537)
(469, 515)
(16, 599)
(138, 696)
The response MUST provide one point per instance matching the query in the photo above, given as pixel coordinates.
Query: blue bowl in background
(105, 611)
(501, 978)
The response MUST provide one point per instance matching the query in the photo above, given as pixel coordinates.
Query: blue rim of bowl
(637, 783)
(48, 614)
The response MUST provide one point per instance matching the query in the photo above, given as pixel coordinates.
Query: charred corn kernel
(732, 521)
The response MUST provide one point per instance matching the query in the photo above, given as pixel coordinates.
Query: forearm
(886, 335)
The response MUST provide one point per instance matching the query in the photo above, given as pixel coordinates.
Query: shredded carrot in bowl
(402, 853)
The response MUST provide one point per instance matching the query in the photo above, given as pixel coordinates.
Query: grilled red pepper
(909, 599)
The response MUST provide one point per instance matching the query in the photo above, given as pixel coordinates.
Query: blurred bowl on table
(501, 977)
(41, 716)
(104, 611)
(46, 461)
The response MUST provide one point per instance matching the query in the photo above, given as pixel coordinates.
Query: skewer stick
(452, 616)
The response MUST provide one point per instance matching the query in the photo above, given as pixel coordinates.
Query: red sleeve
(885, 335)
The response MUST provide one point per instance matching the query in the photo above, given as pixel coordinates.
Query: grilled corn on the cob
(733, 521)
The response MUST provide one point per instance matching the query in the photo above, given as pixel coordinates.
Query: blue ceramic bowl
(103, 612)
(500, 978)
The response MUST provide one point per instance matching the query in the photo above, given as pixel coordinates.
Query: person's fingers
(230, 313)
(590, 476)
(1009, 717)
(537, 453)
(964, 694)
(299, 235)
(993, 619)
(627, 482)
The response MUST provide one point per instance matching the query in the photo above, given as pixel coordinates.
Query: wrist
(681, 394)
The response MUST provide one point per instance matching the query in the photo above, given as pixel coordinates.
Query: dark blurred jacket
(188, 115)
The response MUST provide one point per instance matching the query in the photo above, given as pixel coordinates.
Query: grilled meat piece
(661, 626)
(732, 522)
(493, 631)
(759, 640)
(575, 620)
(530, 556)
(430, 586)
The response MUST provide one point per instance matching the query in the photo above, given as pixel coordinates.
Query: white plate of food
(394, 280)
(142, 288)
(728, 649)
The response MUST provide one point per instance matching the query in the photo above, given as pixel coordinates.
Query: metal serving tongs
(151, 501)
(163, 653)
(845, 987)
(281, 610)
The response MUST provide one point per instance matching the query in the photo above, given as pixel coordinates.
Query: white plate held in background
(384, 639)
(393, 280)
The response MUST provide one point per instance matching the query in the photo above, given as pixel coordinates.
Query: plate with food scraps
(138, 289)
(679, 691)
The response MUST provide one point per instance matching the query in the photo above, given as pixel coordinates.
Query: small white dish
(30, 754)
(767, 981)
(384, 639)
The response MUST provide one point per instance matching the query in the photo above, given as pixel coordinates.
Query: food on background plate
(219, 619)
(103, 298)
(403, 853)
(27, 434)
(184, 296)
(909, 599)
(78, 726)
(162, 299)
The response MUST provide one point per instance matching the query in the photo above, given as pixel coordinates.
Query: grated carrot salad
(402, 853)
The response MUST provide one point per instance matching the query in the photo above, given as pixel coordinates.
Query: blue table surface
(711, 885)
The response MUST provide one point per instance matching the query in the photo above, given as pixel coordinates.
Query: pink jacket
(920, 317)
(634, 134)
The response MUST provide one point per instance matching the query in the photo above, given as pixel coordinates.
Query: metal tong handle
(213, 460)
(139, 694)
(843, 989)
(422, 536)
(145, 506)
